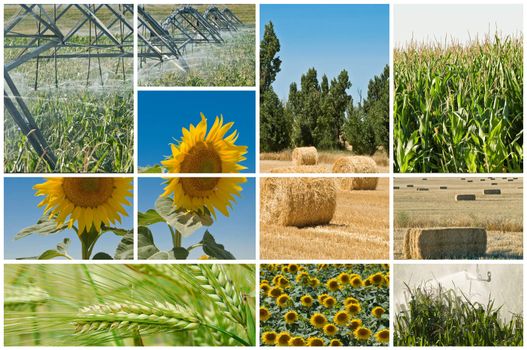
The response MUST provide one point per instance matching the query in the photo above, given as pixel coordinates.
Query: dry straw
(465, 197)
(356, 164)
(299, 169)
(297, 201)
(305, 156)
(441, 243)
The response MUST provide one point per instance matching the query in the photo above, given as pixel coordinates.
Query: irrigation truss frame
(110, 35)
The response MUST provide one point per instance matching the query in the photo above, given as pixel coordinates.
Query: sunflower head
(306, 300)
(302, 277)
(265, 314)
(318, 320)
(356, 282)
(335, 342)
(292, 268)
(383, 336)
(353, 309)
(297, 341)
(329, 302)
(291, 317)
(314, 282)
(283, 300)
(330, 329)
(269, 338)
(355, 323)
(90, 201)
(275, 292)
(315, 341)
(333, 284)
(265, 287)
(350, 300)
(377, 278)
(322, 297)
(344, 278)
(341, 318)
(377, 311)
(283, 339)
(362, 333)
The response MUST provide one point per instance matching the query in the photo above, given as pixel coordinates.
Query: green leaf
(250, 325)
(125, 249)
(213, 249)
(50, 254)
(44, 226)
(116, 230)
(185, 222)
(179, 253)
(145, 243)
(148, 218)
(102, 256)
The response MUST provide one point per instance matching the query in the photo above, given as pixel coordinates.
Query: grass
(275, 160)
(443, 318)
(86, 305)
(459, 108)
(359, 230)
(501, 215)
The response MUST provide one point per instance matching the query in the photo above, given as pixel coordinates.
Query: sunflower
(362, 333)
(318, 320)
(285, 269)
(276, 279)
(355, 323)
(283, 282)
(91, 201)
(333, 284)
(293, 268)
(297, 341)
(344, 278)
(306, 300)
(313, 282)
(283, 300)
(383, 336)
(265, 314)
(269, 338)
(322, 297)
(291, 317)
(353, 309)
(283, 339)
(315, 341)
(356, 282)
(302, 277)
(330, 329)
(275, 292)
(341, 318)
(377, 311)
(329, 302)
(377, 278)
(265, 287)
(350, 300)
(335, 342)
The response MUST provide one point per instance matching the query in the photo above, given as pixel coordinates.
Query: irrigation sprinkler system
(54, 33)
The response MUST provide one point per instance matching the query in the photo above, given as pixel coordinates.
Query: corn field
(459, 108)
(102, 305)
(443, 318)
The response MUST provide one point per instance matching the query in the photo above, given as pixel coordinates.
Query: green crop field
(459, 108)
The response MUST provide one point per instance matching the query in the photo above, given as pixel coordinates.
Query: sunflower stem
(176, 237)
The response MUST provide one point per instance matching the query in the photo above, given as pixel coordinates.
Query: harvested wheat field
(490, 203)
(275, 161)
(357, 226)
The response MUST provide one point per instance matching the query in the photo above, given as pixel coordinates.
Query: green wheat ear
(21, 297)
(129, 317)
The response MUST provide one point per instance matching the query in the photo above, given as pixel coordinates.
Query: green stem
(232, 335)
(118, 341)
(194, 246)
(176, 237)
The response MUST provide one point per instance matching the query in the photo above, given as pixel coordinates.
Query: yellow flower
(344, 278)
(265, 314)
(291, 317)
(383, 336)
(377, 278)
(330, 329)
(275, 292)
(355, 323)
(353, 309)
(329, 302)
(350, 300)
(313, 282)
(306, 300)
(335, 342)
(377, 311)
(283, 300)
(297, 341)
(362, 333)
(293, 268)
(285, 269)
(333, 284)
(356, 282)
(265, 287)
(341, 318)
(322, 297)
(90, 201)
(269, 338)
(302, 277)
(276, 279)
(283, 339)
(315, 341)
(318, 320)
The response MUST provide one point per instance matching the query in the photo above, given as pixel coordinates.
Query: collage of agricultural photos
(259, 173)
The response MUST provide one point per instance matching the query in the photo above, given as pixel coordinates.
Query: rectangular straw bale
(395, 187)
(410, 186)
(297, 201)
(494, 183)
(510, 180)
(443, 187)
(470, 180)
(481, 179)
(465, 197)
(463, 178)
(492, 191)
(445, 242)
(304, 156)
(422, 188)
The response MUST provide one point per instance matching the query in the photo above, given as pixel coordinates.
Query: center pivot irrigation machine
(45, 36)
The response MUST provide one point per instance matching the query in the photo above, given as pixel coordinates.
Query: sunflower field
(324, 304)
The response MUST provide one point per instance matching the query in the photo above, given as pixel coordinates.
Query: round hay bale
(300, 202)
(305, 156)
(299, 169)
(356, 164)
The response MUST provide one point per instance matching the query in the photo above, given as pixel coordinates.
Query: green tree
(377, 106)
(274, 126)
(269, 62)
(305, 120)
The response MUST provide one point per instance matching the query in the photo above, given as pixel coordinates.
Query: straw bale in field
(510, 180)
(443, 187)
(470, 180)
(494, 184)
(305, 156)
(396, 187)
(481, 179)
(492, 191)
(444, 242)
(422, 188)
(295, 201)
(465, 197)
(301, 169)
(356, 164)
(409, 185)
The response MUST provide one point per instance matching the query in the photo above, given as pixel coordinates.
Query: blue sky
(236, 232)
(329, 38)
(20, 211)
(162, 114)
